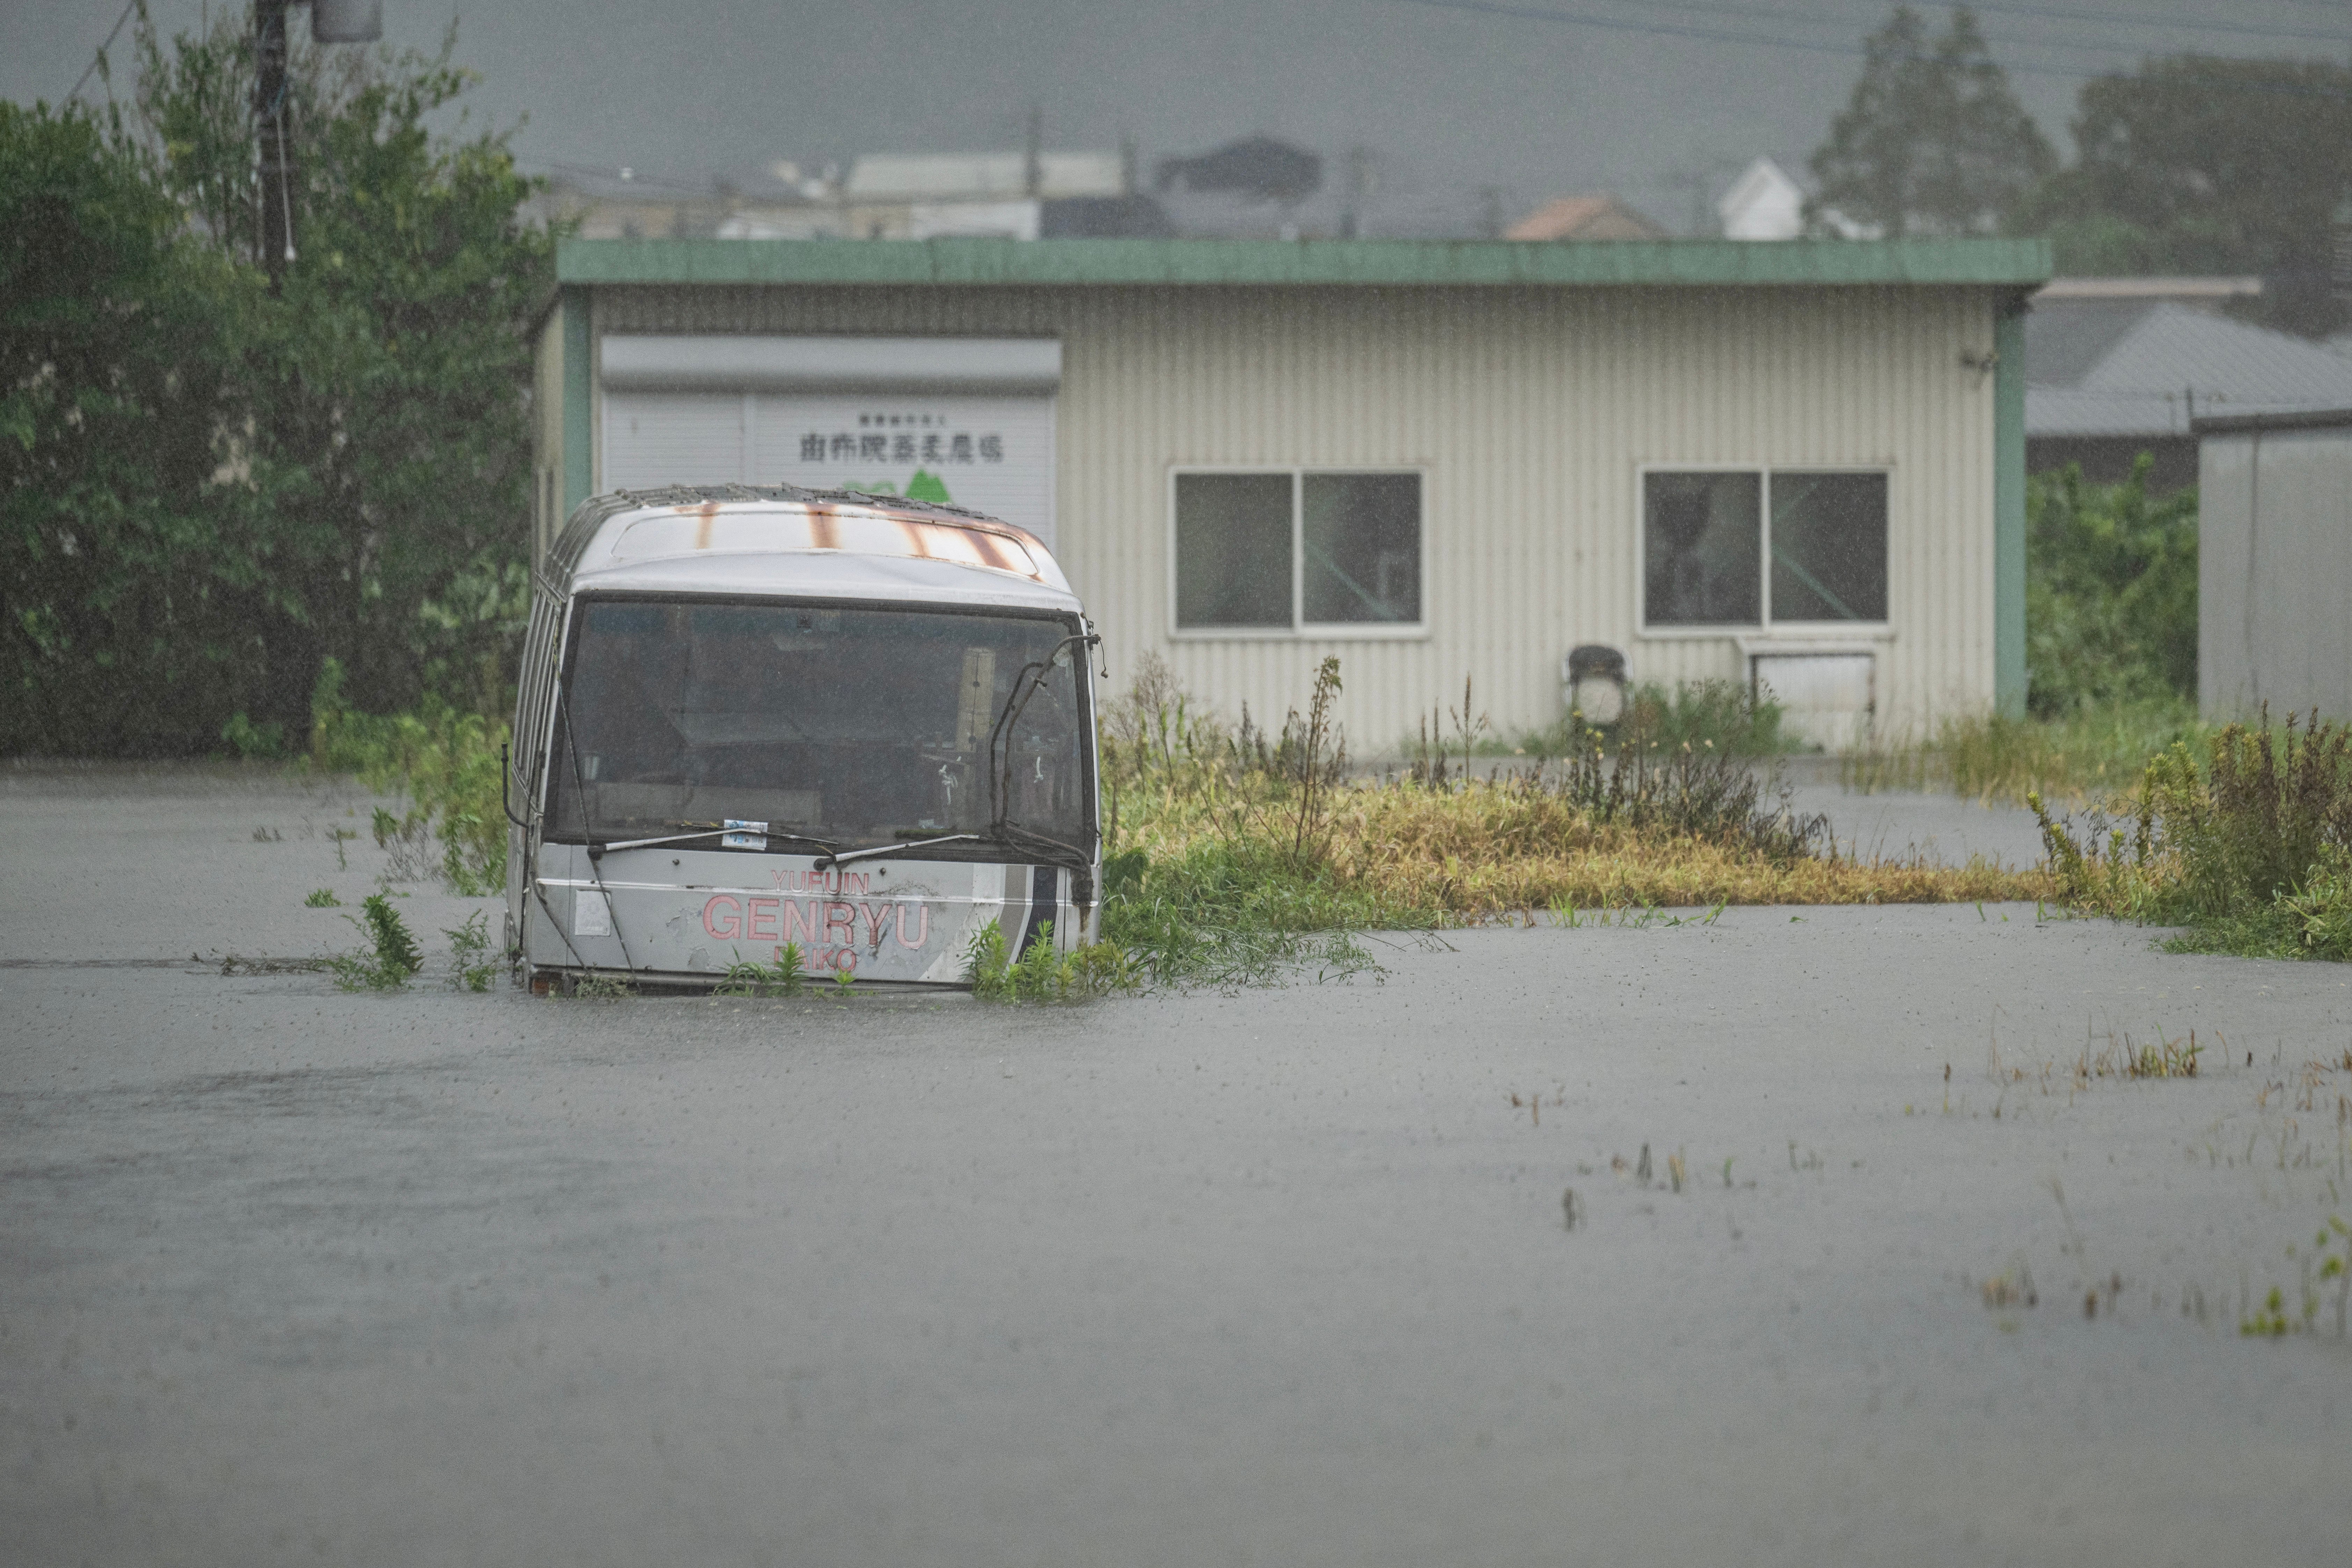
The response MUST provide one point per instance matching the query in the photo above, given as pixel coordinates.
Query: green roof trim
(1374, 263)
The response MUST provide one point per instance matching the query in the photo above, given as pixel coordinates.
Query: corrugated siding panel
(1531, 411)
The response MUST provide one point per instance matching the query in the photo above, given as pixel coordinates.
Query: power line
(2037, 12)
(100, 55)
(2118, 18)
(1766, 41)
(1679, 30)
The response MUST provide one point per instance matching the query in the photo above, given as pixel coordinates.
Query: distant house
(887, 195)
(2118, 367)
(1585, 218)
(1764, 203)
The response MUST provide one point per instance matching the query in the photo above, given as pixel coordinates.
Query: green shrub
(391, 955)
(2111, 592)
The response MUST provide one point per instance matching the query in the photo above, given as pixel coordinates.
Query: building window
(1706, 536)
(1296, 550)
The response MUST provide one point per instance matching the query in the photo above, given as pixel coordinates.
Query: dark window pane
(1829, 547)
(856, 725)
(1232, 549)
(1701, 550)
(1361, 533)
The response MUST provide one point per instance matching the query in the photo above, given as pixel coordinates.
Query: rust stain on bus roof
(825, 533)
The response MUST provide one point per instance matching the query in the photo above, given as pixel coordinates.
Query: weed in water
(597, 986)
(1041, 975)
(406, 843)
(444, 758)
(2269, 1321)
(322, 899)
(2011, 1288)
(986, 963)
(470, 967)
(391, 956)
(782, 977)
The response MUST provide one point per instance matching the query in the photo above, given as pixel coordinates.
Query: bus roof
(781, 539)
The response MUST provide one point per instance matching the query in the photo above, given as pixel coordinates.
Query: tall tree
(2196, 164)
(1933, 141)
(210, 490)
(385, 459)
(120, 632)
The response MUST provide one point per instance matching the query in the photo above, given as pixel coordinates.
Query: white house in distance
(1800, 463)
(1764, 203)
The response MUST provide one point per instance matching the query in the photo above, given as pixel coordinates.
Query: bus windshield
(849, 727)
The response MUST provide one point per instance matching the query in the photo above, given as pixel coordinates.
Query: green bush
(391, 955)
(2110, 593)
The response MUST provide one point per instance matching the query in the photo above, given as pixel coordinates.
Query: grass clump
(322, 899)
(781, 977)
(2252, 851)
(2084, 752)
(1726, 716)
(1233, 859)
(1040, 974)
(391, 955)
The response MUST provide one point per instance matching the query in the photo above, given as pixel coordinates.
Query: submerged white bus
(751, 718)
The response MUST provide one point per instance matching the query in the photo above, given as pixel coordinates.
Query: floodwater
(1281, 1276)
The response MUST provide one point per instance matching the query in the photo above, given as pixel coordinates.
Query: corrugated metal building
(1804, 461)
(2274, 563)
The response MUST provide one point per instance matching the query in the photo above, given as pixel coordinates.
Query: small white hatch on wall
(1826, 695)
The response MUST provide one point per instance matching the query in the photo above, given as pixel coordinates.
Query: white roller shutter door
(990, 448)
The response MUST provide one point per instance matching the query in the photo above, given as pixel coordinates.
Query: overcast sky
(1449, 95)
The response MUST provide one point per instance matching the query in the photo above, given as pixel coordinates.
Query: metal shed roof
(2018, 263)
(2098, 367)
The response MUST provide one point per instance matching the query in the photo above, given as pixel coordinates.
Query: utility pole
(1033, 154)
(277, 164)
(331, 22)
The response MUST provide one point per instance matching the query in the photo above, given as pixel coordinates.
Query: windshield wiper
(827, 862)
(824, 844)
(1004, 836)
